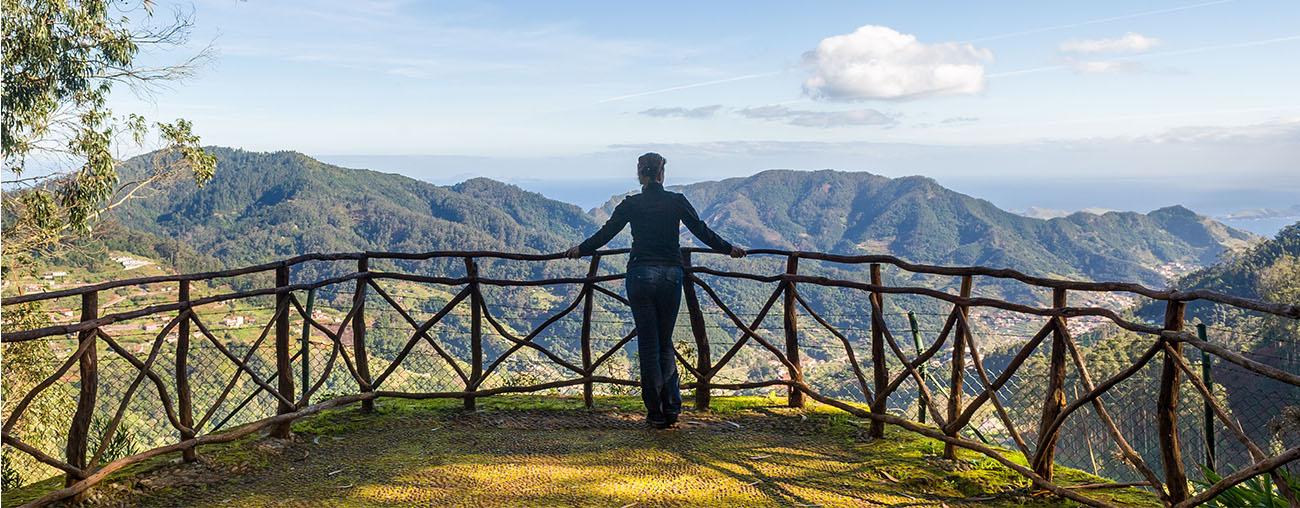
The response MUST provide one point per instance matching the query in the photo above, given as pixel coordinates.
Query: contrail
(692, 85)
(1099, 20)
(1161, 54)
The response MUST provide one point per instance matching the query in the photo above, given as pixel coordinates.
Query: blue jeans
(655, 292)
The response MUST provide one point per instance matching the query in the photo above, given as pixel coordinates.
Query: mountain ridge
(269, 205)
(262, 206)
(920, 220)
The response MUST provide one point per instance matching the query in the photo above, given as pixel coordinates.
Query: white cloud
(878, 62)
(822, 119)
(1104, 66)
(1128, 43)
(700, 112)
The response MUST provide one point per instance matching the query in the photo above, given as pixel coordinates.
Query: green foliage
(123, 443)
(1256, 492)
(58, 54)
(1268, 271)
(60, 62)
(919, 220)
(267, 206)
(261, 207)
(1280, 281)
(23, 363)
(1240, 274)
(9, 476)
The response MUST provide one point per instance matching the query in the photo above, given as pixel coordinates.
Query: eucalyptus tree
(61, 140)
(61, 144)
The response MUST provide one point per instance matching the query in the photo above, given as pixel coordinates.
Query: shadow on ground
(549, 452)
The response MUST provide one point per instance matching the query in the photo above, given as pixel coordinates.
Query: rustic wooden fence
(884, 370)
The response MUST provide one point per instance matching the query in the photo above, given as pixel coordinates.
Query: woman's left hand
(573, 253)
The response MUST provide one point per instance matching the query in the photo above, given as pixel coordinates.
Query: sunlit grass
(549, 451)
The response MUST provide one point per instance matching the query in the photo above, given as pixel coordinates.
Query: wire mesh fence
(452, 335)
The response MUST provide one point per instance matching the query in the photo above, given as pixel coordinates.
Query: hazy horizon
(1016, 195)
(436, 192)
(1060, 106)
(1190, 92)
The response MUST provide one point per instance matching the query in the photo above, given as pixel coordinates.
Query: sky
(1059, 105)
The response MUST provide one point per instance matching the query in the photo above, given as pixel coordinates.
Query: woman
(654, 278)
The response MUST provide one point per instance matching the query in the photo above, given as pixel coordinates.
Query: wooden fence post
(916, 342)
(1207, 377)
(475, 331)
(1171, 452)
(879, 369)
(703, 360)
(795, 396)
(1054, 400)
(359, 334)
(305, 379)
(957, 381)
(283, 365)
(79, 431)
(184, 396)
(588, 293)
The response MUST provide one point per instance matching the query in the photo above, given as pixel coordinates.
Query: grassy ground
(540, 451)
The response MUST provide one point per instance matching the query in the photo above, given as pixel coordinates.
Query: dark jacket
(656, 216)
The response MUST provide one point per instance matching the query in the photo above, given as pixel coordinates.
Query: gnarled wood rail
(292, 398)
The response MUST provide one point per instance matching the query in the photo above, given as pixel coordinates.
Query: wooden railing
(890, 367)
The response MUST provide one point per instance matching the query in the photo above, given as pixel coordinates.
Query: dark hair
(650, 165)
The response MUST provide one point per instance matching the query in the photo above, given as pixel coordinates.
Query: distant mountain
(266, 206)
(1265, 213)
(917, 219)
(1052, 213)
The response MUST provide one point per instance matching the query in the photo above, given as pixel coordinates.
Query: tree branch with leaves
(60, 139)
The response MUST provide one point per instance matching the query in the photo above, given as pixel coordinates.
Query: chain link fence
(838, 364)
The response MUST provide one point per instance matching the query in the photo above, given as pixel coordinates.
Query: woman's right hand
(573, 253)
(737, 252)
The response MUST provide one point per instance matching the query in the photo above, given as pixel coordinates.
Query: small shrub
(1257, 492)
(9, 477)
(122, 444)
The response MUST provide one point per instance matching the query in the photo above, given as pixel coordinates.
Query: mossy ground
(549, 451)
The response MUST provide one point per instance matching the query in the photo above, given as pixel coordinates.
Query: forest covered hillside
(919, 220)
(1239, 274)
(265, 206)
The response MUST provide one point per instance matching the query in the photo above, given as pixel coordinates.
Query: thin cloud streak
(680, 112)
(1098, 20)
(1162, 54)
(692, 85)
(1123, 118)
